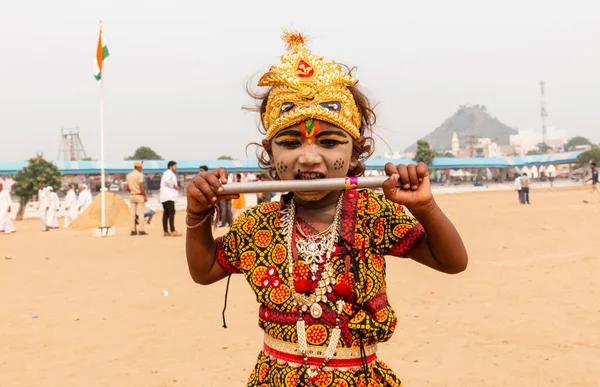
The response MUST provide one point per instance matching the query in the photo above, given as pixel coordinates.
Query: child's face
(328, 154)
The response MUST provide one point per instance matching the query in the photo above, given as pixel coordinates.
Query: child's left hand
(409, 186)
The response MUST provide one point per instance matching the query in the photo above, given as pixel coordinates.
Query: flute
(313, 185)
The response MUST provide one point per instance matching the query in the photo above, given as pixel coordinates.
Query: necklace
(325, 244)
(314, 248)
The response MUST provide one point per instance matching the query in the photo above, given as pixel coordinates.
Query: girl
(315, 259)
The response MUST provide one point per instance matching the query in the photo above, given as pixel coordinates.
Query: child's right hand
(203, 191)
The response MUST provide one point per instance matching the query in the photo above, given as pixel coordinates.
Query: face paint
(309, 129)
(330, 155)
(331, 139)
(281, 167)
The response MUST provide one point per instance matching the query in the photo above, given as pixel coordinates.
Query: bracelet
(208, 216)
(200, 215)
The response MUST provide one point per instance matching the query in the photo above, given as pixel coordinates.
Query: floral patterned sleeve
(228, 247)
(394, 231)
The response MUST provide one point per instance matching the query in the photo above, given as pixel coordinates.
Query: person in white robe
(43, 203)
(53, 207)
(6, 225)
(70, 205)
(84, 199)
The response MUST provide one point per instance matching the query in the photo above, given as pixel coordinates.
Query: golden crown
(304, 86)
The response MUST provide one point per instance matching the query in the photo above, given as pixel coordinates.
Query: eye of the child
(330, 141)
(288, 141)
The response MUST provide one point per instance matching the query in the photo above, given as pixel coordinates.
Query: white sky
(175, 78)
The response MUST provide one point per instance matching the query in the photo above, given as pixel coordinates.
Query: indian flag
(101, 54)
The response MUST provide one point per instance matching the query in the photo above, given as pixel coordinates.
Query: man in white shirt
(524, 181)
(84, 199)
(70, 205)
(518, 188)
(52, 214)
(43, 197)
(168, 196)
(6, 225)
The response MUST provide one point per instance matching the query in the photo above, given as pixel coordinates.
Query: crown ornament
(304, 86)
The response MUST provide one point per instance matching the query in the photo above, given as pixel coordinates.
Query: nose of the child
(310, 157)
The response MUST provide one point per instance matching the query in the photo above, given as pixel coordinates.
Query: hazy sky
(175, 78)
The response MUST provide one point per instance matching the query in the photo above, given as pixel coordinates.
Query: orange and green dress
(370, 228)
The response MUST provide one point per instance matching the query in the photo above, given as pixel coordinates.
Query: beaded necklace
(309, 247)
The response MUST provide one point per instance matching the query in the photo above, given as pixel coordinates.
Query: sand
(116, 213)
(94, 313)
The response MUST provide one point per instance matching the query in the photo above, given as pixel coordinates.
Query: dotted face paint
(338, 164)
(281, 167)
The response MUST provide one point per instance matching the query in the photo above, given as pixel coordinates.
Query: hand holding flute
(407, 185)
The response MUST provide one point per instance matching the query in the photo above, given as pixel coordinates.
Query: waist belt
(344, 359)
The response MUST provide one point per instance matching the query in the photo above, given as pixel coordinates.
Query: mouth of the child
(309, 175)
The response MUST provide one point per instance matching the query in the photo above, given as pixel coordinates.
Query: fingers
(390, 169)
(221, 174)
(206, 186)
(412, 176)
(390, 184)
(404, 182)
(422, 171)
(408, 177)
(215, 181)
(201, 191)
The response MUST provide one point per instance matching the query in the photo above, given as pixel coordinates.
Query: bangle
(200, 215)
(199, 223)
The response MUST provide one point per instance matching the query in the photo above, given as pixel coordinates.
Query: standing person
(203, 168)
(137, 198)
(551, 173)
(225, 213)
(84, 199)
(239, 204)
(43, 203)
(6, 225)
(525, 189)
(315, 261)
(594, 179)
(70, 205)
(53, 207)
(519, 188)
(168, 196)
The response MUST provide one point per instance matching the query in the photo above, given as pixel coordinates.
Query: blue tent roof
(504, 162)
(470, 162)
(192, 166)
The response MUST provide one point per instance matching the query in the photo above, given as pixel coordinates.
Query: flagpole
(102, 176)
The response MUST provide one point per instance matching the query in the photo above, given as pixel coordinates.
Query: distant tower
(455, 145)
(71, 147)
(544, 111)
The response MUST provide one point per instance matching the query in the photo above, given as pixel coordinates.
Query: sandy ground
(84, 311)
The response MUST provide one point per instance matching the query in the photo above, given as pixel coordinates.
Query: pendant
(315, 310)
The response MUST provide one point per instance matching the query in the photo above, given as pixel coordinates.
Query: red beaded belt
(345, 359)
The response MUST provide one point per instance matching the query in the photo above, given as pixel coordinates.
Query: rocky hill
(469, 120)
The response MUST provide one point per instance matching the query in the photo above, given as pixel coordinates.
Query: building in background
(485, 147)
(455, 144)
(527, 140)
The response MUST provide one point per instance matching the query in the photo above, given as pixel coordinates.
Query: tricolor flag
(101, 54)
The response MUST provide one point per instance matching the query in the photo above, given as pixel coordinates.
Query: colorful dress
(371, 227)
